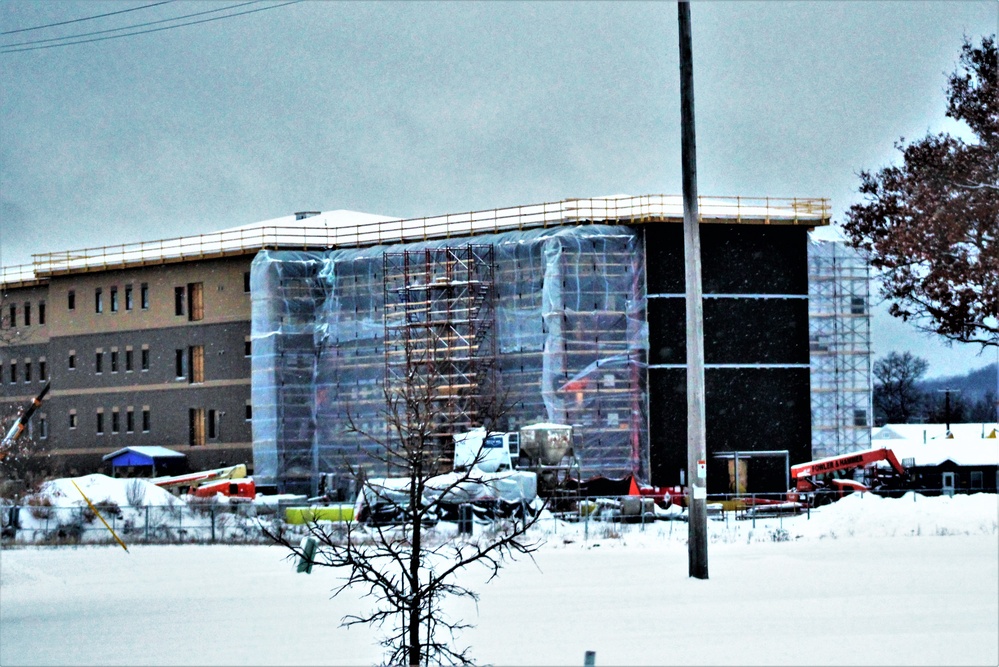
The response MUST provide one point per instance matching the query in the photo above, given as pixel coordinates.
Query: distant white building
(965, 459)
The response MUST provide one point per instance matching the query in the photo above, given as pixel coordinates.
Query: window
(178, 301)
(195, 302)
(71, 299)
(144, 361)
(857, 305)
(145, 419)
(43, 371)
(180, 364)
(144, 296)
(246, 282)
(213, 423)
(100, 421)
(13, 315)
(13, 372)
(128, 360)
(72, 360)
(247, 346)
(860, 417)
(41, 312)
(196, 358)
(27, 313)
(976, 479)
(27, 370)
(114, 299)
(72, 419)
(249, 411)
(196, 426)
(115, 420)
(114, 360)
(43, 427)
(99, 362)
(129, 420)
(98, 300)
(128, 297)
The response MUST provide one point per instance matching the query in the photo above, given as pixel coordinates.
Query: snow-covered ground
(865, 581)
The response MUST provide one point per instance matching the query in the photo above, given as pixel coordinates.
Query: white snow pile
(856, 516)
(870, 515)
(101, 488)
(134, 508)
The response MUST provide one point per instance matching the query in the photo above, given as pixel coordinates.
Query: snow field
(865, 581)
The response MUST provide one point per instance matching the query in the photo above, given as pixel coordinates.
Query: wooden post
(697, 543)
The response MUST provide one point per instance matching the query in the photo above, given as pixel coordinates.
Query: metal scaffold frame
(439, 325)
(840, 342)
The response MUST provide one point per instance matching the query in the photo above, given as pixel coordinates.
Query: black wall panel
(736, 331)
(747, 409)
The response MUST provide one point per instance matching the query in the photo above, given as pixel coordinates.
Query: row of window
(117, 359)
(189, 300)
(204, 424)
(189, 363)
(115, 422)
(114, 302)
(26, 320)
(25, 372)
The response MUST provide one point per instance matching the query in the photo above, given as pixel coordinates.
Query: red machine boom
(803, 473)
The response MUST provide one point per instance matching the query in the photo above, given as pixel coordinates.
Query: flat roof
(343, 228)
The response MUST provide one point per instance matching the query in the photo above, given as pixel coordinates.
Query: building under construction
(573, 312)
(275, 343)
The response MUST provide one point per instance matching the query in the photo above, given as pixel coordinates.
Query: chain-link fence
(173, 524)
(244, 523)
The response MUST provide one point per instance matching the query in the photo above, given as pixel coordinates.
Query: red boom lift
(804, 475)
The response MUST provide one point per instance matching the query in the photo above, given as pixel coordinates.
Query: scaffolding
(439, 321)
(553, 318)
(840, 346)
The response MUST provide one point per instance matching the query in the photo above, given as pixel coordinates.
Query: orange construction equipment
(803, 474)
(193, 480)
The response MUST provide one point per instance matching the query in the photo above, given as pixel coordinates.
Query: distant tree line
(902, 396)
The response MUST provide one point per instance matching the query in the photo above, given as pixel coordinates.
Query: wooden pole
(697, 542)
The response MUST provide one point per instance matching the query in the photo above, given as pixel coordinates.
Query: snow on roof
(152, 451)
(927, 432)
(343, 228)
(963, 452)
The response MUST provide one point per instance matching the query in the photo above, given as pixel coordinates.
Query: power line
(143, 32)
(85, 18)
(127, 27)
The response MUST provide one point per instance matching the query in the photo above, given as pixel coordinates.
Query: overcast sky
(412, 109)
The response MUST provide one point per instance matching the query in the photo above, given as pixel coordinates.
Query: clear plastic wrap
(570, 342)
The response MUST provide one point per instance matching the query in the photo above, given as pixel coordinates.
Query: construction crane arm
(17, 428)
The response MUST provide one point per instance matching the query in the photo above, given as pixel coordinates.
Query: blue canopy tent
(155, 460)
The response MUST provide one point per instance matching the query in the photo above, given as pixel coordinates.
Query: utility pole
(947, 393)
(697, 525)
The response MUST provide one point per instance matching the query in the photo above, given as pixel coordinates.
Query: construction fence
(729, 517)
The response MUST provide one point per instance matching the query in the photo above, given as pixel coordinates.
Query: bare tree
(404, 565)
(897, 396)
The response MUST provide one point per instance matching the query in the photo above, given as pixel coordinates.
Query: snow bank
(99, 488)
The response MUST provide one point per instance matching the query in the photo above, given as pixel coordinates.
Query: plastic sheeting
(568, 319)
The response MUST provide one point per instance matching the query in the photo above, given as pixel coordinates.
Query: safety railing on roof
(17, 275)
(310, 235)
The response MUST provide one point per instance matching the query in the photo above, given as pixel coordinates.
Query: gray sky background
(412, 109)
